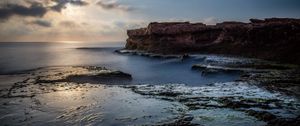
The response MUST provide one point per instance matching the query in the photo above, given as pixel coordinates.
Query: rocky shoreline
(267, 93)
(266, 74)
(48, 90)
(274, 39)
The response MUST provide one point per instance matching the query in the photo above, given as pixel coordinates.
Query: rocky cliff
(275, 39)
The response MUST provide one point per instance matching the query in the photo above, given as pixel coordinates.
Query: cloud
(68, 24)
(112, 4)
(35, 10)
(61, 4)
(43, 23)
(210, 21)
(129, 25)
(78, 2)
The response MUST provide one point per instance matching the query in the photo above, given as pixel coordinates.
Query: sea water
(20, 56)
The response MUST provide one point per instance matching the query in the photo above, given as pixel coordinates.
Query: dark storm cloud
(43, 23)
(35, 10)
(114, 5)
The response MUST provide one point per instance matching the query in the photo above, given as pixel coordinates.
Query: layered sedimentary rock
(275, 39)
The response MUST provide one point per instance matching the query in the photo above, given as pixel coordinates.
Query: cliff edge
(276, 39)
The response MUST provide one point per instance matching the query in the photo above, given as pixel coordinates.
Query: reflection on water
(89, 104)
(24, 56)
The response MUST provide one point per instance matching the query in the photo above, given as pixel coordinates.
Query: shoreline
(256, 70)
(244, 98)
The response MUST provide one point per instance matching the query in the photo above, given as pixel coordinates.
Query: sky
(108, 20)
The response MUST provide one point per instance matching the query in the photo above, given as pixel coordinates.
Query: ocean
(21, 56)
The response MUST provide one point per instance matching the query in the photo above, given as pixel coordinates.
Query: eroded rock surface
(269, 75)
(273, 39)
(240, 97)
(47, 96)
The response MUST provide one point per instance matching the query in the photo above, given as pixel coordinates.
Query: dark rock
(272, 39)
(285, 81)
(188, 118)
(262, 115)
(92, 75)
(285, 122)
(115, 74)
(146, 54)
(181, 121)
(208, 69)
(114, 77)
(169, 93)
(199, 67)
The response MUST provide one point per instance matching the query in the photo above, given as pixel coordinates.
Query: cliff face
(273, 39)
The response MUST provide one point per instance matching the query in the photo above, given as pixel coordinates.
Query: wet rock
(199, 66)
(107, 79)
(169, 93)
(117, 74)
(269, 75)
(181, 121)
(250, 66)
(237, 103)
(286, 81)
(234, 104)
(262, 115)
(208, 69)
(188, 118)
(285, 122)
(249, 104)
(86, 74)
(146, 54)
(233, 96)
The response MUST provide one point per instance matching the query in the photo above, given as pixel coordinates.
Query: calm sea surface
(15, 57)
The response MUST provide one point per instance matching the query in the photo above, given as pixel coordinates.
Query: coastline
(275, 39)
(254, 103)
